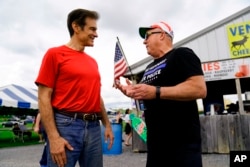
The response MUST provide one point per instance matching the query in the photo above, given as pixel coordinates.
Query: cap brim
(143, 30)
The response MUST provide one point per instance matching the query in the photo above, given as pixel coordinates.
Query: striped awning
(18, 97)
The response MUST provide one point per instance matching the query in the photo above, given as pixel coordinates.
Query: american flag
(120, 64)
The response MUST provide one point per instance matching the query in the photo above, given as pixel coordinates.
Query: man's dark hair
(79, 17)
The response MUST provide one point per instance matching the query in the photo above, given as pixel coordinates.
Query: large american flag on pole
(120, 64)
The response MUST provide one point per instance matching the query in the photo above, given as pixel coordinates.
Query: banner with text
(228, 69)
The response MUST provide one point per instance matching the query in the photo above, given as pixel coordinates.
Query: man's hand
(57, 150)
(36, 129)
(109, 136)
(137, 91)
(125, 89)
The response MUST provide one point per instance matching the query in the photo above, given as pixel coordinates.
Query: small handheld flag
(120, 64)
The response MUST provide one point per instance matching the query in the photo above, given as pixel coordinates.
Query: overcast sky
(29, 27)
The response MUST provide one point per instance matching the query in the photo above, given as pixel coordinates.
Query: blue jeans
(84, 137)
(43, 160)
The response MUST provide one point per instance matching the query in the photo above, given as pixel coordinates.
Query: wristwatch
(158, 92)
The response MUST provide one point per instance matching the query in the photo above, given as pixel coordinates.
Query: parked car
(10, 124)
(14, 118)
(28, 120)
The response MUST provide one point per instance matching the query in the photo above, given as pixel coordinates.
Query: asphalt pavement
(28, 156)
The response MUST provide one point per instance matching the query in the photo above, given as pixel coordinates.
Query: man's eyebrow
(93, 28)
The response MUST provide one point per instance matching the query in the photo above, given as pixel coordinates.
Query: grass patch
(6, 138)
(9, 143)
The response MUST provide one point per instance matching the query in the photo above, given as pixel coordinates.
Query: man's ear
(75, 27)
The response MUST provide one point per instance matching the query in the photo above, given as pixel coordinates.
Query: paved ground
(28, 156)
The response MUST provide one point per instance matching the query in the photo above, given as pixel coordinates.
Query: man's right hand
(125, 89)
(57, 150)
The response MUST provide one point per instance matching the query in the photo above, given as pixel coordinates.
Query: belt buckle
(92, 118)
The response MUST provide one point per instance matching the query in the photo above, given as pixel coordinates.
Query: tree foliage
(17, 111)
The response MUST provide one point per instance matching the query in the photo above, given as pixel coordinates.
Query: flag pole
(132, 77)
(118, 41)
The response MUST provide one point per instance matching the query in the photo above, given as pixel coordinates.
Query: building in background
(224, 50)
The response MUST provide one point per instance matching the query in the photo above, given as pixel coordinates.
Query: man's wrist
(158, 92)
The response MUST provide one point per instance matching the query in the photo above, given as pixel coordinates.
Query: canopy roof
(18, 97)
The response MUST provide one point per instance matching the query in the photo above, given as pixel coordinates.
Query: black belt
(80, 115)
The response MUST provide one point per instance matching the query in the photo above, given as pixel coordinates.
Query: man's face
(88, 33)
(152, 39)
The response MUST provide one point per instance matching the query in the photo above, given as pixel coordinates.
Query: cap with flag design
(162, 25)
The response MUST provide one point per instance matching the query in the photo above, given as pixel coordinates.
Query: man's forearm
(46, 111)
(47, 118)
(105, 120)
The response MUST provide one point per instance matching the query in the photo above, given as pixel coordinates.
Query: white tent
(18, 97)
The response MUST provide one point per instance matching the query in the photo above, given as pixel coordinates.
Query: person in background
(16, 130)
(119, 120)
(21, 132)
(69, 97)
(128, 128)
(119, 117)
(38, 129)
(169, 88)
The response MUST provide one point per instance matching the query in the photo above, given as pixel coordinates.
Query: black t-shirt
(171, 69)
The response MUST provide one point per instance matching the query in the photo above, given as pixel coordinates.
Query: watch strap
(158, 92)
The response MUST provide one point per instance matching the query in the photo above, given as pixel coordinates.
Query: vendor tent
(18, 97)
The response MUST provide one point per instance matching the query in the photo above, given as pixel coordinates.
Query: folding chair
(25, 131)
(17, 135)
